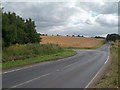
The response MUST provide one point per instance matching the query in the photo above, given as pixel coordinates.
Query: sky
(68, 18)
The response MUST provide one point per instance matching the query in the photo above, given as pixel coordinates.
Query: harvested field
(72, 42)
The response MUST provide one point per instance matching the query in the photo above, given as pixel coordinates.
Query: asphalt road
(72, 72)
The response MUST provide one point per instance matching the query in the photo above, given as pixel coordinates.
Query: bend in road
(72, 72)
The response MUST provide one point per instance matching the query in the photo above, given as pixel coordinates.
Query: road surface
(72, 72)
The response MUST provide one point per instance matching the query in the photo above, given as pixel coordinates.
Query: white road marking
(108, 55)
(93, 78)
(28, 67)
(49, 73)
(64, 58)
(11, 71)
(107, 60)
(99, 70)
(60, 60)
(31, 66)
(29, 81)
(69, 65)
(22, 68)
(17, 69)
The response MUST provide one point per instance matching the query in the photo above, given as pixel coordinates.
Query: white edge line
(107, 60)
(29, 81)
(108, 55)
(98, 71)
(93, 78)
(18, 69)
(26, 67)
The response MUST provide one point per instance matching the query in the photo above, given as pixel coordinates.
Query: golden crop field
(76, 42)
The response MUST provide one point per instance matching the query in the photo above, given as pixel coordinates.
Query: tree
(113, 37)
(73, 35)
(82, 36)
(31, 31)
(17, 30)
(78, 35)
(58, 35)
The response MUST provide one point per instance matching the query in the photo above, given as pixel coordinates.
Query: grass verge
(33, 60)
(24, 51)
(110, 79)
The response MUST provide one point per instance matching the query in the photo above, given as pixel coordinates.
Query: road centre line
(30, 80)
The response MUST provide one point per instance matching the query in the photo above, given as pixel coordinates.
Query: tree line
(15, 29)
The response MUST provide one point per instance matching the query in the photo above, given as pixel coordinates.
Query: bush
(21, 52)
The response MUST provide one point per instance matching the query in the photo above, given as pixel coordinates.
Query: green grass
(25, 51)
(37, 59)
(110, 79)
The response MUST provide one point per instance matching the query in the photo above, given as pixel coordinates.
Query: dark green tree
(17, 30)
(30, 30)
(113, 37)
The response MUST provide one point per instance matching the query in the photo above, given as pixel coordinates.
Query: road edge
(13, 69)
(101, 72)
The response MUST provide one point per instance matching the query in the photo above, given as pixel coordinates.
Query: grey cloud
(48, 14)
(54, 14)
(88, 31)
(106, 8)
(45, 14)
(110, 8)
(105, 21)
(119, 8)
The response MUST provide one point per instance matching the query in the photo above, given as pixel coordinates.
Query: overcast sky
(68, 18)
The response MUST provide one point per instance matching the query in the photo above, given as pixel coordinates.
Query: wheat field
(72, 42)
